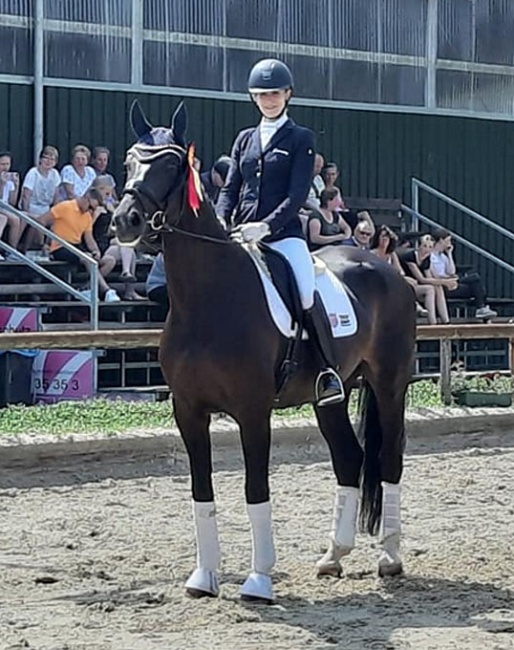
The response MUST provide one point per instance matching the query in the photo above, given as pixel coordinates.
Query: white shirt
(80, 183)
(317, 186)
(8, 188)
(268, 128)
(439, 265)
(42, 188)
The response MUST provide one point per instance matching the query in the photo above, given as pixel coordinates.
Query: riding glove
(254, 232)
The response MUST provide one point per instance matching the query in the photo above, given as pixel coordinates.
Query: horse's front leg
(256, 441)
(194, 428)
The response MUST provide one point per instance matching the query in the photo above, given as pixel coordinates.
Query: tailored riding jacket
(269, 185)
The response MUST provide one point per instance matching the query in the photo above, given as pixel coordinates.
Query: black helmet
(269, 74)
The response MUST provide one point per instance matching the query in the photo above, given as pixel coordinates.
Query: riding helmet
(268, 75)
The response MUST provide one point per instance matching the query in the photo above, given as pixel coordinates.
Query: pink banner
(18, 319)
(59, 375)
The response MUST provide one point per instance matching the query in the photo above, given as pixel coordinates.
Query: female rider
(267, 184)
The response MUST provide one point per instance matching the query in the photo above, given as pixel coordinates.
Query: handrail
(508, 267)
(90, 263)
(416, 184)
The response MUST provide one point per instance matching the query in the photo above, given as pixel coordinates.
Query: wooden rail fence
(133, 339)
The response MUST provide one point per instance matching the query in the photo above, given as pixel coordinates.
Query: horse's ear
(140, 125)
(179, 124)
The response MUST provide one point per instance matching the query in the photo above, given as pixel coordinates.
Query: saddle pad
(334, 297)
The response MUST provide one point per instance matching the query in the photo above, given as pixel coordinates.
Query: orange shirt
(70, 223)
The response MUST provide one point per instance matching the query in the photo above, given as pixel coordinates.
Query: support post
(445, 356)
(38, 63)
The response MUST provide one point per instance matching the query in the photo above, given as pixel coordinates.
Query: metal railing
(417, 185)
(417, 217)
(90, 263)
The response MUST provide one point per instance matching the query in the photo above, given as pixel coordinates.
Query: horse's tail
(370, 433)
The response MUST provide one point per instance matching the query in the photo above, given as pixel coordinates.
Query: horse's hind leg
(347, 457)
(384, 446)
(194, 429)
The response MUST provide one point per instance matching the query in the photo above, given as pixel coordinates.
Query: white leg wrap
(344, 521)
(390, 524)
(207, 544)
(263, 550)
(342, 534)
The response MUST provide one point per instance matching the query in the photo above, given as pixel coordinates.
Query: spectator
(470, 286)
(361, 236)
(353, 217)
(325, 225)
(73, 221)
(383, 245)
(416, 264)
(214, 179)
(78, 176)
(9, 188)
(330, 174)
(156, 288)
(317, 185)
(100, 162)
(39, 192)
(107, 244)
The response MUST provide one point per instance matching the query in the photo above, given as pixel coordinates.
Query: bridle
(145, 155)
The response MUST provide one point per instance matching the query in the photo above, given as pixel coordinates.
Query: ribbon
(194, 185)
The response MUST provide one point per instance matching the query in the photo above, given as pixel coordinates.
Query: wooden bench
(387, 212)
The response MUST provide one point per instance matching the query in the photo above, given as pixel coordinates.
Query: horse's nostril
(134, 218)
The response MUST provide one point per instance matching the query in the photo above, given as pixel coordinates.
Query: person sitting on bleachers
(214, 179)
(361, 236)
(78, 176)
(107, 244)
(156, 288)
(99, 162)
(73, 221)
(9, 187)
(383, 245)
(325, 225)
(39, 192)
(416, 264)
(313, 201)
(470, 286)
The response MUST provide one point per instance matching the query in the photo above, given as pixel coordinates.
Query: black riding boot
(329, 387)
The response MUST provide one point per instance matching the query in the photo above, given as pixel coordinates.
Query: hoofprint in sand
(94, 554)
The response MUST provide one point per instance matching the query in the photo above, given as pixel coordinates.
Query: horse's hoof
(257, 588)
(329, 568)
(390, 569)
(202, 582)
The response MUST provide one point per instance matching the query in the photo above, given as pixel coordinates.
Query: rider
(267, 184)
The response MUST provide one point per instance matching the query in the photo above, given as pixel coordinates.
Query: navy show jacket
(269, 185)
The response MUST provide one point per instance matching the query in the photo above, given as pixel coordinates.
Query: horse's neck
(202, 274)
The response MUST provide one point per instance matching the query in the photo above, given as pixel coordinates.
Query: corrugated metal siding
(16, 109)
(378, 153)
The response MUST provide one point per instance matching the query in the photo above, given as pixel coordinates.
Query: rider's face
(272, 104)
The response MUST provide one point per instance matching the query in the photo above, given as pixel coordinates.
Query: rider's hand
(253, 232)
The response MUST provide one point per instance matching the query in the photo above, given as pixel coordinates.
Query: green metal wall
(378, 153)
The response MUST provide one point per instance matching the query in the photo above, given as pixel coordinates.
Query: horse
(220, 351)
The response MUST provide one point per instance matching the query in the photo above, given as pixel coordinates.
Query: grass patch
(113, 416)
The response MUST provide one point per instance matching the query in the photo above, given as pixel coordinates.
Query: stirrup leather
(329, 399)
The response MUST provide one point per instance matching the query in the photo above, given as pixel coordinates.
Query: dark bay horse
(220, 351)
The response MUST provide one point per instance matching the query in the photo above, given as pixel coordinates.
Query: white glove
(254, 232)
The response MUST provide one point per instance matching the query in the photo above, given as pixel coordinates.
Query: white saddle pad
(334, 297)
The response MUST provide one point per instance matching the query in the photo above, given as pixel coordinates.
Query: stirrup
(333, 396)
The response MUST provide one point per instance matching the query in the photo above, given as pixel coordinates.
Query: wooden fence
(133, 339)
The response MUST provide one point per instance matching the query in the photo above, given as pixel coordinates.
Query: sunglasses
(366, 234)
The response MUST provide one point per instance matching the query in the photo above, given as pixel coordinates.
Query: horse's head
(156, 166)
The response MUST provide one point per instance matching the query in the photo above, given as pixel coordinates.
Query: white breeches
(297, 254)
